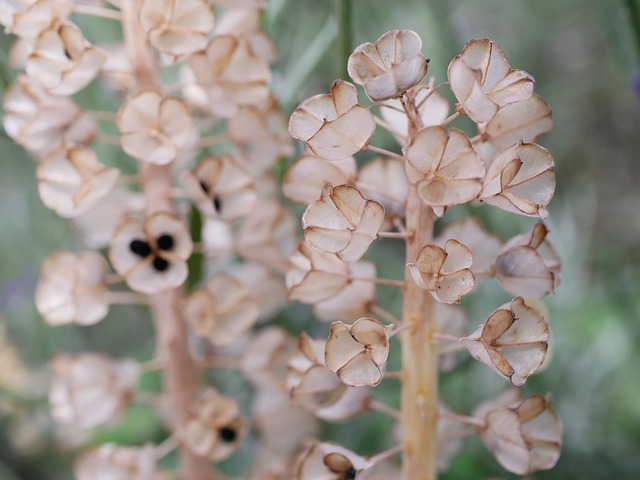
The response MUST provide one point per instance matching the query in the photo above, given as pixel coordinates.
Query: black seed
(165, 242)
(350, 474)
(160, 264)
(228, 434)
(217, 203)
(140, 247)
(204, 187)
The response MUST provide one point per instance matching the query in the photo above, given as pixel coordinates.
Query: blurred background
(584, 55)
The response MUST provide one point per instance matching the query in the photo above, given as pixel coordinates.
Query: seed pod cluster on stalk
(403, 196)
(194, 229)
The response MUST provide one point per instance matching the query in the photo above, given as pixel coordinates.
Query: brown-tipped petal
(318, 388)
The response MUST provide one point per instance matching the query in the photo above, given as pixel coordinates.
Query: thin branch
(103, 115)
(446, 336)
(210, 141)
(377, 406)
(167, 446)
(107, 139)
(452, 348)
(396, 374)
(400, 328)
(382, 313)
(127, 298)
(399, 224)
(383, 151)
(380, 281)
(392, 234)
(451, 118)
(129, 179)
(98, 12)
(456, 417)
(386, 454)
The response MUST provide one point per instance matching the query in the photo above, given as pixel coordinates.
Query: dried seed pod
(315, 388)
(315, 276)
(231, 74)
(90, 389)
(328, 461)
(521, 179)
(444, 271)
(72, 180)
(221, 188)
(525, 438)
(528, 266)
(177, 28)
(444, 165)
(217, 429)
(333, 126)
(43, 123)
(245, 21)
(343, 222)
(72, 288)
(154, 128)
(484, 246)
(62, 61)
(513, 341)
(113, 462)
(222, 311)
(483, 81)
(308, 175)
(152, 255)
(27, 18)
(390, 67)
(358, 353)
(522, 121)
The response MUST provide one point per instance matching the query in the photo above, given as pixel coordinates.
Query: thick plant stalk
(419, 397)
(180, 373)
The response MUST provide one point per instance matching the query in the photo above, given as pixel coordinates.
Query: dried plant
(198, 126)
(402, 196)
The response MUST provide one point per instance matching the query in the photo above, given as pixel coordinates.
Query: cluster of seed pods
(204, 195)
(402, 196)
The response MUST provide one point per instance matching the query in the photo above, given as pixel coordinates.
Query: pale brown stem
(180, 373)
(377, 406)
(382, 151)
(377, 310)
(392, 234)
(386, 454)
(380, 281)
(456, 417)
(419, 396)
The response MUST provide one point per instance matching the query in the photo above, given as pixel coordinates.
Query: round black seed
(160, 264)
(350, 474)
(204, 187)
(165, 242)
(228, 434)
(217, 203)
(140, 247)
